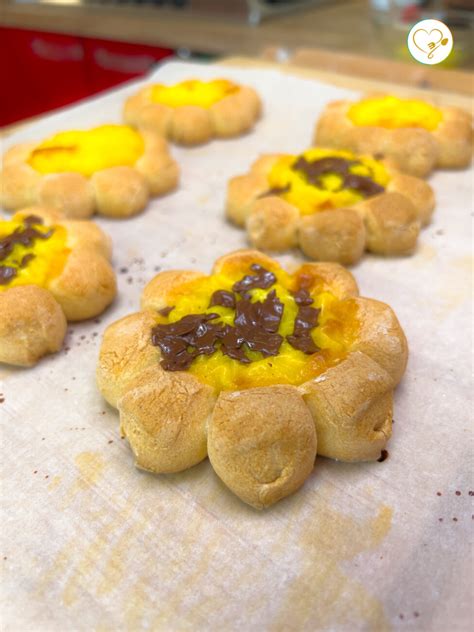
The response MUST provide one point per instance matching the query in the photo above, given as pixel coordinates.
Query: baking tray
(90, 543)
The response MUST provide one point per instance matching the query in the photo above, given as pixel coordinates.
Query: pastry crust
(387, 223)
(32, 324)
(232, 115)
(121, 191)
(33, 318)
(262, 441)
(415, 151)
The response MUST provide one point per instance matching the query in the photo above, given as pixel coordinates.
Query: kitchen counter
(341, 26)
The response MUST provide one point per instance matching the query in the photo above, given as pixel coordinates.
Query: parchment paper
(90, 543)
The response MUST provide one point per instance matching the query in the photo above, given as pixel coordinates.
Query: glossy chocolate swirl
(26, 236)
(255, 326)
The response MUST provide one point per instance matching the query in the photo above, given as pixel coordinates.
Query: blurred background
(56, 52)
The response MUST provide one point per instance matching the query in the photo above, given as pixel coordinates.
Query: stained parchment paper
(90, 543)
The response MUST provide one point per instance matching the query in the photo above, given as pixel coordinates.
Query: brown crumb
(383, 456)
(439, 494)
(110, 441)
(416, 614)
(455, 519)
(457, 492)
(2, 399)
(440, 519)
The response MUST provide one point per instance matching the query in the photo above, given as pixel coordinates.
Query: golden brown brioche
(188, 122)
(386, 223)
(262, 443)
(57, 270)
(351, 404)
(125, 352)
(164, 416)
(413, 150)
(183, 388)
(116, 191)
(32, 324)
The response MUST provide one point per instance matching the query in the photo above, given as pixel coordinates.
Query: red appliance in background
(44, 71)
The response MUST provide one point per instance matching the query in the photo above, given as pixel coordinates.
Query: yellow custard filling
(295, 187)
(88, 151)
(336, 328)
(34, 263)
(193, 92)
(391, 112)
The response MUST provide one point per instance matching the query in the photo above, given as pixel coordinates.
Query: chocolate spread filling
(25, 236)
(255, 326)
(305, 321)
(314, 171)
(224, 298)
(263, 279)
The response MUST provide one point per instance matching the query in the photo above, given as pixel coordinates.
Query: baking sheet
(90, 543)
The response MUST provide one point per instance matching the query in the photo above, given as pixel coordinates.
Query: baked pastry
(258, 368)
(333, 204)
(51, 270)
(112, 170)
(414, 134)
(192, 112)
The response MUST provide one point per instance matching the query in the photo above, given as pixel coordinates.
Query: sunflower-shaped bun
(257, 368)
(112, 170)
(194, 111)
(415, 135)
(51, 270)
(331, 203)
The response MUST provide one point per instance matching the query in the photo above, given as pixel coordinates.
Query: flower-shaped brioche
(51, 270)
(112, 170)
(193, 111)
(333, 204)
(415, 135)
(258, 368)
